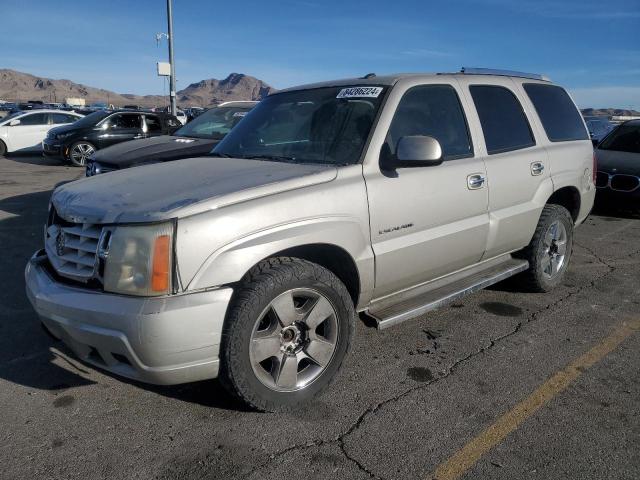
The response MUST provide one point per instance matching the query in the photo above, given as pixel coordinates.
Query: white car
(25, 131)
(180, 115)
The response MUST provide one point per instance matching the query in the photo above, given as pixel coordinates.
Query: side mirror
(13, 123)
(595, 142)
(418, 151)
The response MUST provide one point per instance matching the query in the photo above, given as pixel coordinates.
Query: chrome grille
(624, 183)
(72, 249)
(618, 181)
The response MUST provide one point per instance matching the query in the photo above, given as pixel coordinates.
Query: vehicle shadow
(31, 357)
(26, 354)
(34, 158)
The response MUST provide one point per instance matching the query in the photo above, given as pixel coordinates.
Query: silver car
(388, 195)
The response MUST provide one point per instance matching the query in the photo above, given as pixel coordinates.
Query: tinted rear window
(504, 124)
(626, 138)
(560, 118)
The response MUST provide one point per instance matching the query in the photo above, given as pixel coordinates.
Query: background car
(101, 129)
(598, 127)
(180, 115)
(7, 106)
(196, 139)
(618, 158)
(24, 131)
(98, 106)
(193, 112)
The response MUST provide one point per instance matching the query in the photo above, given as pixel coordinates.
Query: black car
(196, 139)
(101, 129)
(618, 159)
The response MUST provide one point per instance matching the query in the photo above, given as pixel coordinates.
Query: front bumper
(52, 148)
(614, 197)
(160, 340)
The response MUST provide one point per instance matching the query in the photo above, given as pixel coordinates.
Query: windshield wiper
(275, 158)
(221, 155)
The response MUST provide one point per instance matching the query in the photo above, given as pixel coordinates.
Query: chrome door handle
(537, 168)
(476, 181)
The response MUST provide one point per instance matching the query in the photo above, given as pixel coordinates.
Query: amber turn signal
(161, 257)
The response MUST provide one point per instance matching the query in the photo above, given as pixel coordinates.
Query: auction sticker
(360, 92)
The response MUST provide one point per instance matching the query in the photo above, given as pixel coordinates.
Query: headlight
(62, 136)
(139, 260)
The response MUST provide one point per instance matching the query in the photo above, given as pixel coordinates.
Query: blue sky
(591, 47)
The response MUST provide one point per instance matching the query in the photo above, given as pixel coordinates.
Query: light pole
(172, 77)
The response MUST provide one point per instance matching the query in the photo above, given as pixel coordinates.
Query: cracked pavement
(407, 399)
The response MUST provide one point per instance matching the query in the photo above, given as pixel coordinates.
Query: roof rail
(505, 73)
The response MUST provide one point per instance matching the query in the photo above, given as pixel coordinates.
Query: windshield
(10, 117)
(91, 119)
(323, 125)
(626, 138)
(214, 123)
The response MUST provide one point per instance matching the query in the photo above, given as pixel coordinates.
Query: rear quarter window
(559, 116)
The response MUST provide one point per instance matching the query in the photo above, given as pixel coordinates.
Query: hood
(179, 189)
(622, 162)
(154, 149)
(63, 129)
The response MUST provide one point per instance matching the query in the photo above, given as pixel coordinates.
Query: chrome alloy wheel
(294, 340)
(81, 152)
(555, 249)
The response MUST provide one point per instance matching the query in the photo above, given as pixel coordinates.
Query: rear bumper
(161, 340)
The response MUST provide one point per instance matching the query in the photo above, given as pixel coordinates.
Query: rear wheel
(80, 152)
(549, 251)
(286, 334)
(3, 149)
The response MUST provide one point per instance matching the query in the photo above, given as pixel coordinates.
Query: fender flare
(229, 263)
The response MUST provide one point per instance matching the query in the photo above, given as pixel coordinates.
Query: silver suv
(385, 195)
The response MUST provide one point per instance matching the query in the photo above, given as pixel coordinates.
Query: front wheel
(80, 152)
(286, 335)
(3, 149)
(549, 251)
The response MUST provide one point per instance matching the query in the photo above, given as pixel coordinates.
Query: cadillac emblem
(60, 243)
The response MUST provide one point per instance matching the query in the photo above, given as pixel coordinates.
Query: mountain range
(19, 86)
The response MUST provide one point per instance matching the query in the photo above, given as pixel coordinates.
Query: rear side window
(432, 110)
(61, 118)
(504, 124)
(125, 121)
(560, 118)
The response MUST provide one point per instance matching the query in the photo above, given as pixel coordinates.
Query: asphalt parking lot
(502, 385)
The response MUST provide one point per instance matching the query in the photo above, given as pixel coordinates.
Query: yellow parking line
(465, 458)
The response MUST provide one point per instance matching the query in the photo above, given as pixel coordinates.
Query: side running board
(419, 305)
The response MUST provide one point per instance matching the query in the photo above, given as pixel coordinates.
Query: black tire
(267, 281)
(535, 279)
(76, 162)
(3, 149)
